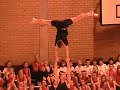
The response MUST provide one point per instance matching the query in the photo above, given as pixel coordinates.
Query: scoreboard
(110, 12)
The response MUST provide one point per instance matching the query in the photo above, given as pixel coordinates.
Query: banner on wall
(110, 12)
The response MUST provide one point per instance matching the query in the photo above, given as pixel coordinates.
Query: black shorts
(117, 87)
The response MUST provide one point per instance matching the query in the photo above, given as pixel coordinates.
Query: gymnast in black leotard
(62, 32)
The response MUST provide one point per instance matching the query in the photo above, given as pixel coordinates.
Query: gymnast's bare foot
(91, 13)
(94, 14)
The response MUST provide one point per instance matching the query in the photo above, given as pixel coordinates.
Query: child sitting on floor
(10, 77)
(26, 72)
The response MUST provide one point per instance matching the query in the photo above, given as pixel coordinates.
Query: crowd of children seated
(47, 76)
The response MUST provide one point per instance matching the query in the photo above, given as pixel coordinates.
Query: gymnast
(62, 32)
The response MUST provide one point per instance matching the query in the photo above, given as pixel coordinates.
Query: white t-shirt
(114, 65)
(79, 69)
(92, 67)
(88, 69)
(5, 70)
(72, 68)
(117, 63)
(102, 69)
(64, 69)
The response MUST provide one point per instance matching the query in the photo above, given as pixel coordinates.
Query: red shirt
(46, 88)
(74, 79)
(35, 66)
(22, 78)
(117, 78)
(1, 82)
(85, 87)
(111, 73)
(26, 72)
(95, 80)
(11, 77)
(86, 79)
(22, 88)
(104, 85)
(111, 84)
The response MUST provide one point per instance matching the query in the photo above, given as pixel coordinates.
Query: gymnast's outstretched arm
(56, 70)
(68, 72)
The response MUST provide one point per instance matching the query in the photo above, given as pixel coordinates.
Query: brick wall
(107, 42)
(19, 40)
(106, 39)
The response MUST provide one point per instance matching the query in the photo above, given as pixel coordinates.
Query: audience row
(43, 75)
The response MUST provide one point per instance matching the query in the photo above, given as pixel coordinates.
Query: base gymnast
(62, 32)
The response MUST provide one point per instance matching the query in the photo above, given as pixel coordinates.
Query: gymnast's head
(59, 43)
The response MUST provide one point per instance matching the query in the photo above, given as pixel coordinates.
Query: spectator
(104, 83)
(111, 84)
(46, 65)
(117, 78)
(111, 71)
(63, 66)
(71, 66)
(84, 77)
(72, 86)
(74, 79)
(102, 67)
(51, 79)
(31, 87)
(10, 77)
(36, 64)
(118, 60)
(40, 74)
(95, 70)
(22, 86)
(111, 62)
(95, 63)
(88, 67)
(79, 68)
(1, 82)
(21, 79)
(84, 86)
(44, 85)
(26, 72)
(7, 68)
(51, 68)
(35, 68)
(95, 82)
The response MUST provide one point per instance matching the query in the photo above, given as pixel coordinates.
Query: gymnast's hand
(56, 59)
(68, 60)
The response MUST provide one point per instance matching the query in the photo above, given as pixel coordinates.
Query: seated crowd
(63, 75)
